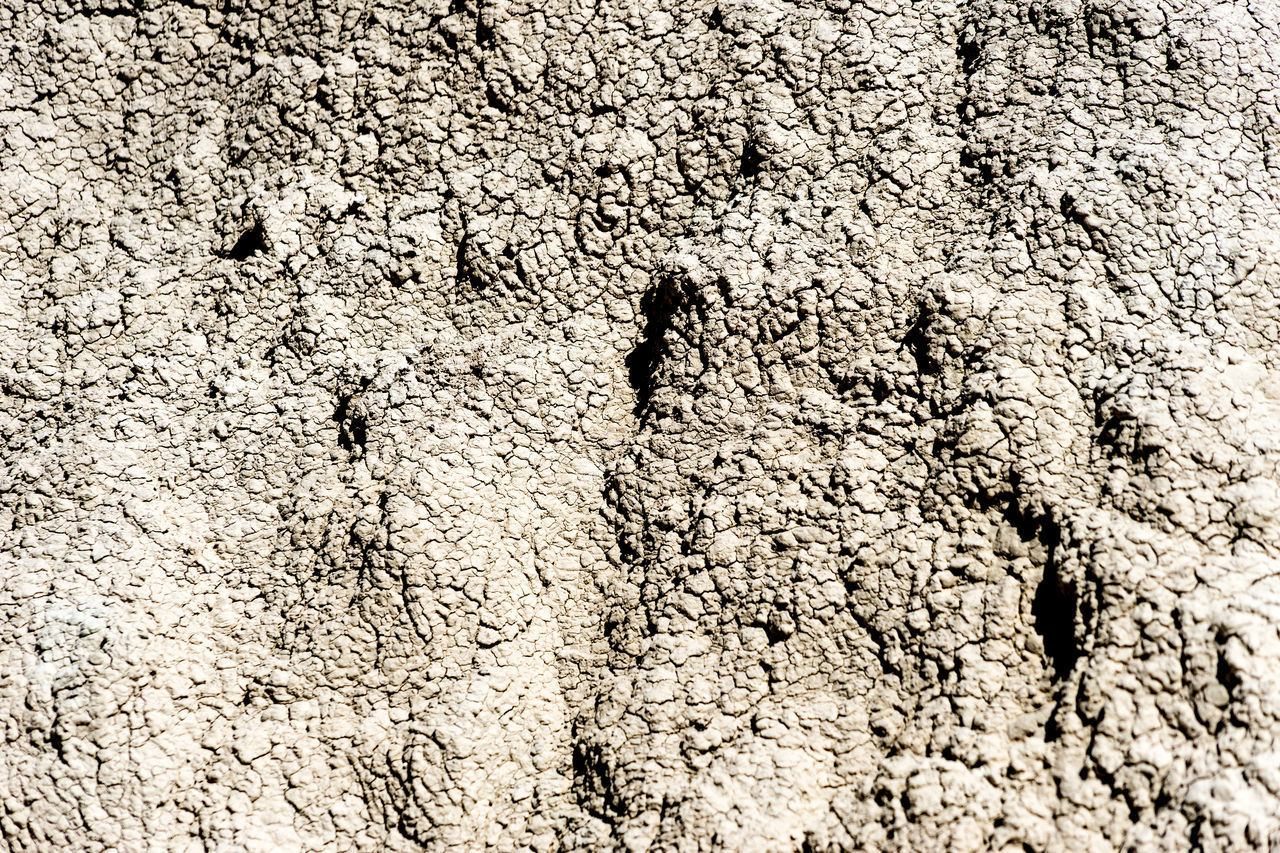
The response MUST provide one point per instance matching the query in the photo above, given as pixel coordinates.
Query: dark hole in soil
(752, 160)
(1054, 610)
(658, 307)
(251, 242)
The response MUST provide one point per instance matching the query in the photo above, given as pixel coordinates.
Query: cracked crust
(715, 426)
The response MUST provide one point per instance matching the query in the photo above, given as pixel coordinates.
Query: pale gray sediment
(708, 426)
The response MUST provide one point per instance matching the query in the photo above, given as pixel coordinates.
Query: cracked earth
(638, 425)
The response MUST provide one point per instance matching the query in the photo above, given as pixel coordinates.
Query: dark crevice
(464, 273)
(1054, 610)
(1226, 673)
(752, 160)
(595, 786)
(1029, 526)
(353, 427)
(495, 100)
(55, 741)
(917, 343)
(252, 242)
(968, 51)
(658, 307)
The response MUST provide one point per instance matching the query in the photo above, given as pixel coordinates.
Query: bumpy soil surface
(591, 425)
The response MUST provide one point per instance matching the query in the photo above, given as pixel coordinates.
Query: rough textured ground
(726, 425)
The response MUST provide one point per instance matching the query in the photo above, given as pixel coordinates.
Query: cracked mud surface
(576, 426)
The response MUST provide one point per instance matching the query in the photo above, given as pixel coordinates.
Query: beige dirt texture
(689, 426)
